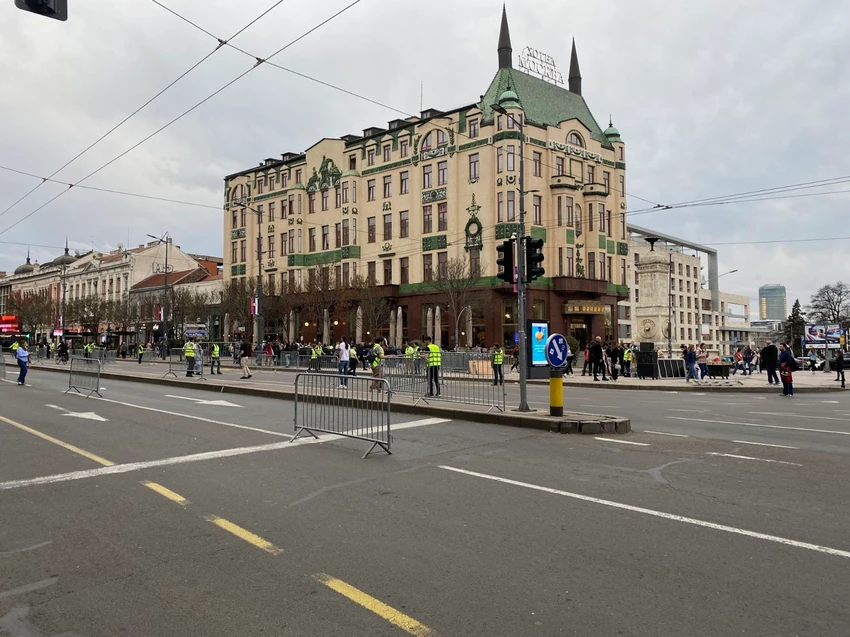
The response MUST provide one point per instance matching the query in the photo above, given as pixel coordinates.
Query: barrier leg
(298, 433)
(377, 444)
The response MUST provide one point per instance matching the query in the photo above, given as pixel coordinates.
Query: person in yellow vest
(189, 355)
(435, 360)
(498, 359)
(215, 359)
(140, 350)
(314, 357)
(627, 361)
(14, 347)
(409, 356)
(376, 364)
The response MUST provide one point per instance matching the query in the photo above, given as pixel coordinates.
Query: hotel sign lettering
(539, 63)
(433, 195)
(582, 308)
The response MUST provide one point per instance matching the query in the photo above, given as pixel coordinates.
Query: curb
(571, 423)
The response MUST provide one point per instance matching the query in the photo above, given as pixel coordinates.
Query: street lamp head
(499, 109)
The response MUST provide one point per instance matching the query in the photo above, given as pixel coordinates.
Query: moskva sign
(539, 63)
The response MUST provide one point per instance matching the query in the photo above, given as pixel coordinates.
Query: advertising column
(538, 334)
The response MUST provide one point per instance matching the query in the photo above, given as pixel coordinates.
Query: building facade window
(345, 192)
(500, 207)
(600, 210)
(311, 204)
(622, 225)
(326, 237)
(606, 179)
(371, 273)
(474, 166)
(427, 267)
(427, 219)
(388, 227)
(442, 173)
(474, 262)
(591, 174)
(511, 158)
(473, 128)
(298, 176)
(388, 186)
(387, 152)
(271, 246)
(403, 224)
(427, 174)
(511, 205)
(590, 217)
(271, 211)
(370, 230)
(537, 217)
(537, 164)
(591, 265)
(570, 262)
(500, 160)
(234, 252)
(311, 240)
(404, 148)
(325, 200)
(352, 162)
(442, 217)
(442, 138)
(370, 190)
(370, 157)
(559, 166)
(404, 182)
(560, 262)
(575, 139)
(568, 210)
(442, 264)
(338, 235)
(345, 232)
(404, 267)
(388, 271)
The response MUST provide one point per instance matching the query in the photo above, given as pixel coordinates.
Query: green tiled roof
(543, 102)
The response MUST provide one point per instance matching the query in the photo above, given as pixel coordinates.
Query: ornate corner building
(395, 205)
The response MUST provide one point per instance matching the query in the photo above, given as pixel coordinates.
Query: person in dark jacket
(838, 366)
(786, 367)
(597, 359)
(770, 360)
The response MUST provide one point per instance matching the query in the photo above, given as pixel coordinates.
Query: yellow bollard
(556, 391)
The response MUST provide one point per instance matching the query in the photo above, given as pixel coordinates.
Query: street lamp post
(258, 317)
(520, 268)
(166, 239)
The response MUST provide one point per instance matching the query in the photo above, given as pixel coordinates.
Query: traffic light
(533, 259)
(506, 261)
(56, 9)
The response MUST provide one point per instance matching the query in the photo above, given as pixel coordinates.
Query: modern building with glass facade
(773, 303)
(396, 205)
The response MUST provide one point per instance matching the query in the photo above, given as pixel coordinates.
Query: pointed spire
(66, 245)
(575, 72)
(505, 50)
(28, 255)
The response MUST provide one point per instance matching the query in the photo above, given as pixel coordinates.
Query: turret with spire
(506, 52)
(575, 72)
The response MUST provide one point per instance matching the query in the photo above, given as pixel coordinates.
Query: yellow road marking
(244, 534)
(56, 441)
(166, 492)
(393, 616)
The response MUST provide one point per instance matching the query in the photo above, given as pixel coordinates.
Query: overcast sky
(712, 97)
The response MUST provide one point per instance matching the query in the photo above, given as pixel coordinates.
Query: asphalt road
(161, 511)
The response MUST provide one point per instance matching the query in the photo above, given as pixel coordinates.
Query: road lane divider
(622, 442)
(739, 457)
(165, 492)
(244, 534)
(658, 514)
(664, 433)
(763, 444)
(60, 443)
(382, 610)
(760, 426)
(799, 416)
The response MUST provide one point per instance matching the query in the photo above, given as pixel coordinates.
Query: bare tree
(321, 293)
(376, 308)
(458, 286)
(34, 311)
(830, 304)
(236, 301)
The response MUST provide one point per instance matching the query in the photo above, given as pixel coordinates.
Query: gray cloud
(711, 98)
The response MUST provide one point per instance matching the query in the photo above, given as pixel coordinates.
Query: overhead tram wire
(259, 62)
(138, 110)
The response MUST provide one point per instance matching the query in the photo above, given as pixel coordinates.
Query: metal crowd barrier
(324, 363)
(177, 363)
(472, 385)
(2, 366)
(84, 376)
(361, 410)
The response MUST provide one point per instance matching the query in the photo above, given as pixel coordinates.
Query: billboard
(537, 337)
(822, 336)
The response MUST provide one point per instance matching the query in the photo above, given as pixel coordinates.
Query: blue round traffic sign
(556, 350)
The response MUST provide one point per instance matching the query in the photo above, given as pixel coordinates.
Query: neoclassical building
(397, 203)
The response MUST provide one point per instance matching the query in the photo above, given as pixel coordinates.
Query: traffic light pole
(520, 284)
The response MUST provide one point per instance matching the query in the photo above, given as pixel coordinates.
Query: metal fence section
(321, 364)
(84, 376)
(2, 366)
(360, 409)
(178, 365)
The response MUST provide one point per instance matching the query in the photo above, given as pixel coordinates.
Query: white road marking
(190, 416)
(14, 382)
(732, 455)
(29, 588)
(659, 514)
(201, 401)
(86, 415)
(802, 416)
(623, 442)
(24, 549)
(752, 424)
(688, 411)
(664, 433)
(195, 457)
(763, 444)
(830, 402)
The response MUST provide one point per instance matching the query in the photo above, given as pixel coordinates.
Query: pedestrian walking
(838, 366)
(702, 361)
(343, 351)
(571, 356)
(435, 359)
(189, 356)
(586, 368)
(215, 359)
(515, 357)
(22, 355)
(691, 369)
(813, 360)
(597, 359)
(244, 357)
(498, 361)
(616, 357)
(375, 358)
(628, 355)
(770, 361)
(140, 352)
(786, 367)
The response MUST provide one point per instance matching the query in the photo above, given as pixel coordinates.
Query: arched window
(575, 139)
(442, 138)
(426, 143)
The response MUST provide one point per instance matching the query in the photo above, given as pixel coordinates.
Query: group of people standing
(607, 359)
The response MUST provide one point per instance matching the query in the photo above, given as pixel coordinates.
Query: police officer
(189, 355)
(140, 350)
(498, 359)
(215, 359)
(435, 360)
